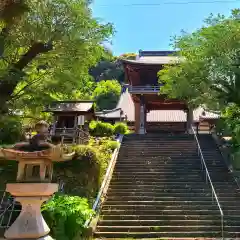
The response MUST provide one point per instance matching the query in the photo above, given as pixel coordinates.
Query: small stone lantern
(33, 187)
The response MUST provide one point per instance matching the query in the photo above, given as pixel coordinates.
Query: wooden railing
(78, 135)
(65, 131)
(144, 89)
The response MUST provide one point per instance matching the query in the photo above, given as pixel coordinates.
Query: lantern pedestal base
(30, 223)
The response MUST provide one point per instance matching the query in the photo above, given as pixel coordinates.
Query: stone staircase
(158, 190)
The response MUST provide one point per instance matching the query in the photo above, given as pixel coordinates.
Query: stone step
(169, 177)
(208, 206)
(211, 205)
(183, 164)
(162, 148)
(131, 192)
(166, 179)
(164, 155)
(169, 183)
(175, 234)
(133, 189)
(165, 158)
(167, 198)
(158, 140)
(167, 171)
(139, 186)
(169, 217)
(169, 203)
(178, 172)
(159, 228)
(156, 177)
(168, 160)
(155, 161)
(137, 222)
(164, 211)
(168, 165)
(161, 173)
(118, 190)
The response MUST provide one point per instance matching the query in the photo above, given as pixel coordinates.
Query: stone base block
(30, 223)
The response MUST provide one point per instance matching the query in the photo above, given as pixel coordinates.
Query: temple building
(145, 106)
(70, 118)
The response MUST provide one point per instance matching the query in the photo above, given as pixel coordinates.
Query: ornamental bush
(66, 215)
(120, 128)
(82, 175)
(101, 129)
(104, 144)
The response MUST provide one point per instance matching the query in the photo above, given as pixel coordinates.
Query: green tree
(110, 67)
(107, 94)
(47, 48)
(207, 68)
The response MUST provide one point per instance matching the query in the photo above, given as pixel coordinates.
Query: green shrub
(101, 129)
(112, 145)
(105, 144)
(10, 129)
(120, 128)
(82, 175)
(66, 215)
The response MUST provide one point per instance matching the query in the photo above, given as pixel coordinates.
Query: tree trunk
(15, 72)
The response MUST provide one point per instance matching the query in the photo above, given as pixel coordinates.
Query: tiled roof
(154, 60)
(70, 106)
(114, 113)
(154, 57)
(127, 106)
(155, 53)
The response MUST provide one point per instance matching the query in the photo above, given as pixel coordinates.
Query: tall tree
(110, 67)
(107, 94)
(47, 44)
(207, 70)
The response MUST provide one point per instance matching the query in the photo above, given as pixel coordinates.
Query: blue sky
(150, 27)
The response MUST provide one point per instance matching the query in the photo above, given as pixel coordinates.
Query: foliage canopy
(207, 70)
(107, 94)
(47, 49)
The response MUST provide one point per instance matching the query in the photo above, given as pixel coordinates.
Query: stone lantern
(33, 187)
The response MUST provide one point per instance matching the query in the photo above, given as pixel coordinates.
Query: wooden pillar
(54, 126)
(75, 135)
(145, 119)
(189, 119)
(142, 129)
(137, 116)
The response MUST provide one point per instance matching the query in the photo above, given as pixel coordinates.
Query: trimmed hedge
(102, 129)
(120, 128)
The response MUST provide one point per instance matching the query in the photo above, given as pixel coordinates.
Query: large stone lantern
(33, 186)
